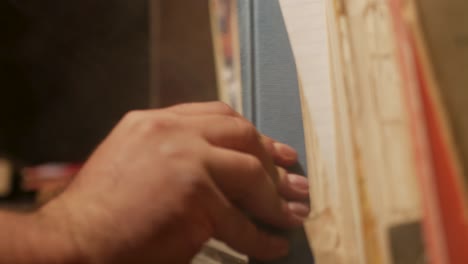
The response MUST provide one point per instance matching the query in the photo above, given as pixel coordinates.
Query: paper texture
(215, 252)
(309, 39)
(370, 200)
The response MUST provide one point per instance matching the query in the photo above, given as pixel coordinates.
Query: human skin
(159, 186)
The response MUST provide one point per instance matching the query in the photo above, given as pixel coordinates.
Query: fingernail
(299, 209)
(298, 182)
(285, 151)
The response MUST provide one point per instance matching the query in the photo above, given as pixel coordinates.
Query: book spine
(273, 94)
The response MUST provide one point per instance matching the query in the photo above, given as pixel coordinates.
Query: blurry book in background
(433, 37)
(27, 188)
(48, 180)
(224, 24)
(6, 172)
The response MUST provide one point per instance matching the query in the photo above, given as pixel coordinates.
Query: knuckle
(182, 107)
(175, 149)
(133, 116)
(247, 131)
(255, 167)
(152, 124)
(182, 147)
(146, 122)
(160, 122)
(253, 163)
(224, 109)
(194, 179)
(200, 183)
(268, 143)
(246, 135)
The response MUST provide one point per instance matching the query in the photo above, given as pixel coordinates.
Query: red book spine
(445, 222)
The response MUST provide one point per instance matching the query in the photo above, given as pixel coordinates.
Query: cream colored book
(365, 193)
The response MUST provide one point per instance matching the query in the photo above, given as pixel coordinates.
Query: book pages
(308, 35)
(378, 193)
(332, 211)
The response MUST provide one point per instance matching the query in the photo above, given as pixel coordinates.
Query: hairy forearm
(28, 239)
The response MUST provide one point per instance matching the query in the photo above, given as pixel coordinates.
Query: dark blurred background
(70, 69)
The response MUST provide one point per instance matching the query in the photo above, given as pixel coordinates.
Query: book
(369, 198)
(435, 37)
(225, 32)
(383, 98)
(267, 70)
(6, 172)
(397, 72)
(225, 38)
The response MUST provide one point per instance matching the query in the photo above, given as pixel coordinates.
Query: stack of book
(389, 172)
(384, 86)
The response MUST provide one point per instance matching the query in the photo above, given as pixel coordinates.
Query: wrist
(50, 239)
(28, 239)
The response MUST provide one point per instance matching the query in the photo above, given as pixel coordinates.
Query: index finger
(282, 154)
(233, 133)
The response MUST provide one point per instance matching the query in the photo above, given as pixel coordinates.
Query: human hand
(165, 181)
